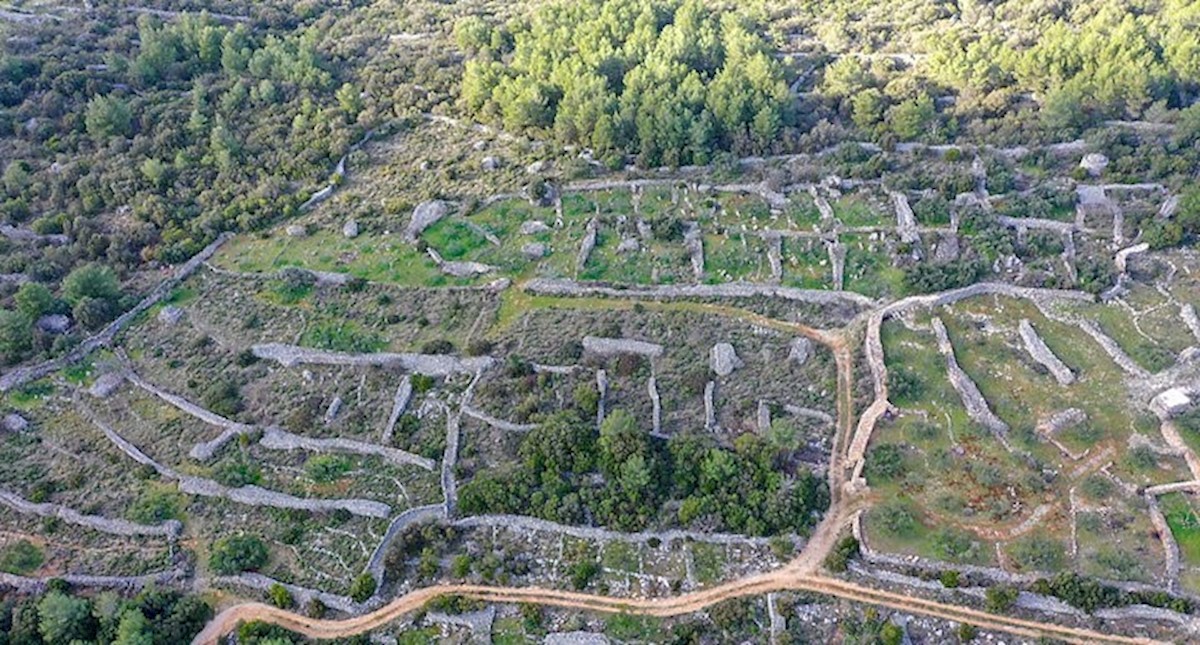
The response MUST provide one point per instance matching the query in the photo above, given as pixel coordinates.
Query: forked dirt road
(800, 574)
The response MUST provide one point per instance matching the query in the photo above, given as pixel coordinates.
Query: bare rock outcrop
(533, 227)
(799, 350)
(13, 422)
(588, 243)
(723, 359)
(428, 364)
(607, 347)
(1041, 353)
(710, 411)
(977, 406)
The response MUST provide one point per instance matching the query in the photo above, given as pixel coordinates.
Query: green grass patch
(1185, 525)
(454, 239)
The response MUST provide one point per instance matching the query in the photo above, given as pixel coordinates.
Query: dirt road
(678, 605)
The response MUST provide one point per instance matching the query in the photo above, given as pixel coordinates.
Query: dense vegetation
(60, 616)
(670, 81)
(622, 478)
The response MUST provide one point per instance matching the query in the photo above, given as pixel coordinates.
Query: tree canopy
(668, 81)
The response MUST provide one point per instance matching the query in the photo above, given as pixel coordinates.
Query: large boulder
(106, 385)
(426, 214)
(724, 360)
(350, 228)
(54, 324)
(14, 422)
(533, 227)
(295, 230)
(170, 315)
(534, 250)
(799, 351)
(1094, 163)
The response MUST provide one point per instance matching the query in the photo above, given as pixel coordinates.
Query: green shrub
(323, 469)
(838, 560)
(234, 554)
(362, 588)
(21, 557)
(280, 596)
(1000, 598)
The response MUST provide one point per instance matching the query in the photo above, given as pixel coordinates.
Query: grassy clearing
(868, 268)
(857, 210)
(806, 264)
(1180, 511)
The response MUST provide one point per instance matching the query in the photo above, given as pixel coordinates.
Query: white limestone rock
(724, 360)
(533, 227)
(799, 351)
(1094, 163)
(426, 214)
(170, 315)
(534, 250)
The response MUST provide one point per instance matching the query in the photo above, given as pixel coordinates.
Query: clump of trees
(60, 616)
(669, 81)
(623, 478)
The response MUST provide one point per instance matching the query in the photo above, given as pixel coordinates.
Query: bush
(362, 588)
(582, 573)
(439, 346)
(949, 578)
(1000, 598)
(315, 608)
(280, 596)
(886, 462)
(838, 560)
(324, 469)
(21, 557)
(223, 396)
(235, 554)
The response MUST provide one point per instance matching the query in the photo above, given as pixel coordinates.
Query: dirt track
(801, 574)
(685, 604)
